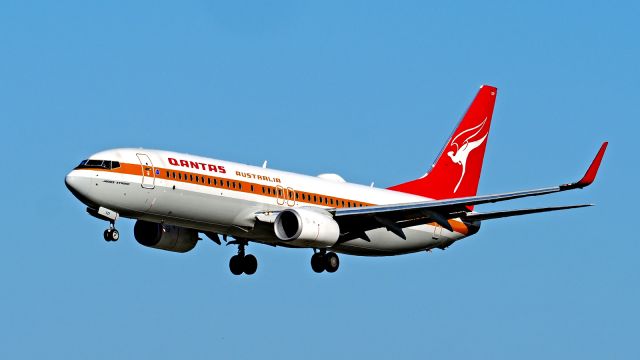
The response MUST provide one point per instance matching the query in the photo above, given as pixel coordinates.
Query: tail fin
(456, 172)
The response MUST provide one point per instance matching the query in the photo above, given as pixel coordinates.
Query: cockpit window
(98, 164)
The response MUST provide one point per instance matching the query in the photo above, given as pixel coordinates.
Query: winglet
(590, 175)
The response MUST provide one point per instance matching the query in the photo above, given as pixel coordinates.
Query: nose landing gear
(325, 261)
(242, 263)
(111, 234)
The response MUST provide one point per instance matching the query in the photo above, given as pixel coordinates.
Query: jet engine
(165, 237)
(304, 227)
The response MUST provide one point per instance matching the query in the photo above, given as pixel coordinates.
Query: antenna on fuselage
(264, 164)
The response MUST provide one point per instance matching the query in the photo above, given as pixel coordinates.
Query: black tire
(115, 235)
(236, 264)
(107, 235)
(317, 262)
(331, 262)
(250, 264)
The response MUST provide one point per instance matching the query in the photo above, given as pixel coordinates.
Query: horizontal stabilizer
(508, 213)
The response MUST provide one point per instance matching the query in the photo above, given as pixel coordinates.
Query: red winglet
(590, 175)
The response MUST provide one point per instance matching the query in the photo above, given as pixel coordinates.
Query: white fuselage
(223, 197)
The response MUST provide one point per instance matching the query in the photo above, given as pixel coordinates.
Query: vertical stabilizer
(456, 172)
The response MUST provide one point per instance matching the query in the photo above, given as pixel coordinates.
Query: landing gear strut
(242, 263)
(323, 260)
(111, 234)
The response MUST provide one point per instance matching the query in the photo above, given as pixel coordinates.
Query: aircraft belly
(385, 243)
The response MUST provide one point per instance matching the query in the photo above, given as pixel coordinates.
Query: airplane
(174, 197)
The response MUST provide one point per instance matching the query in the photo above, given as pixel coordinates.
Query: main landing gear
(242, 263)
(323, 260)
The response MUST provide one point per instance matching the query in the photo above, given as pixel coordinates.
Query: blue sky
(366, 89)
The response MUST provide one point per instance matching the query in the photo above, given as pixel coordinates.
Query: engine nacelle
(304, 227)
(165, 237)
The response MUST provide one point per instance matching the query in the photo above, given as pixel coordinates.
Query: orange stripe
(457, 226)
(238, 185)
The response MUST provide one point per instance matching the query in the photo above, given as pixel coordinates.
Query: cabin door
(148, 171)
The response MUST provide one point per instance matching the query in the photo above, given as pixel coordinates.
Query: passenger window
(251, 188)
(179, 176)
(174, 174)
(191, 177)
(228, 186)
(209, 181)
(197, 179)
(168, 175)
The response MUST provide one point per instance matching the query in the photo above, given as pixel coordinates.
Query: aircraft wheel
(317, 262)
(331, 262)
(235, 265)
(250, 264)
(111, 235)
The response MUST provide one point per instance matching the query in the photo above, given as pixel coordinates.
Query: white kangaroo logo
(462, 151)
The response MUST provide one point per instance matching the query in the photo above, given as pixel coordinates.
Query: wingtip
(591, 173)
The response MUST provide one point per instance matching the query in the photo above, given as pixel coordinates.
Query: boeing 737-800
(175, 196)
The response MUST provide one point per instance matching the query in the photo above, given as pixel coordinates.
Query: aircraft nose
(78, 185)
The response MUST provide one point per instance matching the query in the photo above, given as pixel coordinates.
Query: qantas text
(198, 165)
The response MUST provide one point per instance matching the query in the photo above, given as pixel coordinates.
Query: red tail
(456, 172)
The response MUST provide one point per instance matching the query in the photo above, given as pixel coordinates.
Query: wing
(508, 213)
(354, 221)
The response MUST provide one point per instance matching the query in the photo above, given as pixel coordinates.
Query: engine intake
(304, 227)
(165, 237)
